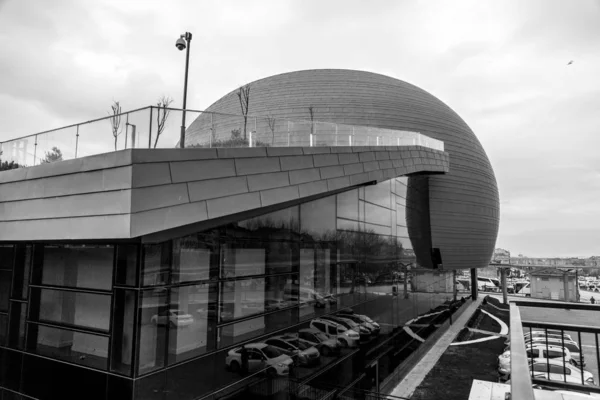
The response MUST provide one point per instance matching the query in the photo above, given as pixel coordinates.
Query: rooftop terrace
(153, 127)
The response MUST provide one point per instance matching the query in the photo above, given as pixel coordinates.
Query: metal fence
(554, 355)
(154, 127)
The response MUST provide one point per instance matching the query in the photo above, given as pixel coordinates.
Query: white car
(261, 356)
(172, 318)
(301, 351)
(535, 351)
(346, 337)
(554, 370)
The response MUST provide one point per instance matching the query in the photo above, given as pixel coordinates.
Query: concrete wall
(464, 203)
(132, 193)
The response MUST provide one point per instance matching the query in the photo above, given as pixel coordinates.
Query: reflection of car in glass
(328, 297)
(554, 370)
(272, 304)
(301, 351)
(173, 318)
(364, 332)
(260, 356)
(321, 341)
(346, 337)
(363, 320)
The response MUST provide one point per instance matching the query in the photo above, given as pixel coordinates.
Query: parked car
(554, 370)
(346, 337)
(363, 320)
(272, 304)
(172, 318)
(572, 346)
(300, 351)
(321, 341)
(364, 332)
(535, 351)
(261, 356)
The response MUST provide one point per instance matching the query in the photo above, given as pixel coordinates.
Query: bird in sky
(570, 62)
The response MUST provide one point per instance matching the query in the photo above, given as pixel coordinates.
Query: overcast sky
(502, 65)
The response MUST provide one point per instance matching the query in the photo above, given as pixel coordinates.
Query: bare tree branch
(115, 121)
(271, 121)
(244, 97)
(161, 116)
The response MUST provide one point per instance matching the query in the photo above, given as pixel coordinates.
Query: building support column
(566, 285)
(503, 283)
(474, 283)
(454, 288)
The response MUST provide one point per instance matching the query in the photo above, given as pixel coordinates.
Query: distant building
(549, 283)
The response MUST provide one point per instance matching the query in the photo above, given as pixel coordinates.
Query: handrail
(520, 379)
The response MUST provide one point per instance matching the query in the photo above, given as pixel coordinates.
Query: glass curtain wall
(274, 285)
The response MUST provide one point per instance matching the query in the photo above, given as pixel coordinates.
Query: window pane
(6, 257)
(276, 225)
(5, 278)
(157, 264)
(379, 194)
(318, 217)
(242, 298)
(244, 330)
(127, 257)
(78, 266)
(3, 329)
(153, 309)
(21, 273)
(76, 347)
(191, 259)
(347, 205)
(377, 215)
(123, 320)
(237, 261)
(72, 308)
(18, 312)
(192, 310)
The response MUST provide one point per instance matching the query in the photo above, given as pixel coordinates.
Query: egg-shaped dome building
(463, 203)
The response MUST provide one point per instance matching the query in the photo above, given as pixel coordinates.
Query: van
(525, 290)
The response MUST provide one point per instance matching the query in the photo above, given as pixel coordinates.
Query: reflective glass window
(347, 225)
(192, 321)
(347, 205)
(154, 320)
(18, 313)
(377, 215)
(3, 329)
(78, 266)
(21, 273)
(73, 308)
(122, 331)
(191, 259)
(242, 298)
(7, 253)
(237, 261)
(245, 330)
(276, 225)
(379, 194)
(76, 347)
(157, 264)
(378, 229)
(127, 264)
(400, 215)
(317, 218)
(5, 281)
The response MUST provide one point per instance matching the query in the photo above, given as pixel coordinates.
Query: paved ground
(412, 380)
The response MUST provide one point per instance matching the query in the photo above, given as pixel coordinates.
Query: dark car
(321, 341)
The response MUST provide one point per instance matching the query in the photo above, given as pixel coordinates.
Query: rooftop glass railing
(154, 127)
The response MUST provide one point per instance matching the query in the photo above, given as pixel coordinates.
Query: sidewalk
(414, 378)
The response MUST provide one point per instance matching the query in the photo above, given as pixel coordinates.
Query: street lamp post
(184, 42)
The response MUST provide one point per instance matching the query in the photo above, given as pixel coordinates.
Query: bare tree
(161, 116)
(312, 118)
(244, 97)
(115, 121)
(271, 121)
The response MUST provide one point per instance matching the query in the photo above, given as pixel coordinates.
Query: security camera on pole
(182, 43)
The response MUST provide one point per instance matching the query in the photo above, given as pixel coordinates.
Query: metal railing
(576, 368)
(154, 127)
